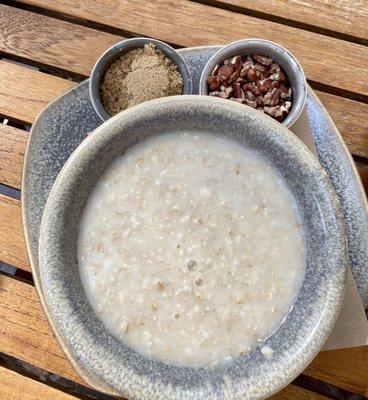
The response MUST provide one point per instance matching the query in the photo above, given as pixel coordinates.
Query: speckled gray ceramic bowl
(290, 65)
(295, 342)
(117, 51)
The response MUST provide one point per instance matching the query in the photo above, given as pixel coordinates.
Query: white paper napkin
(351, 327)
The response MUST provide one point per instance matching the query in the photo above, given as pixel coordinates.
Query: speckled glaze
(295, 342)
(283, 57)
(63, 125)
(120, 48)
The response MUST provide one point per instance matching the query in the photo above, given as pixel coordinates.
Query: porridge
(191, 249)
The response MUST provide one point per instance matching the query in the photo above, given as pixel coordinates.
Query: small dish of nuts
(259, 74)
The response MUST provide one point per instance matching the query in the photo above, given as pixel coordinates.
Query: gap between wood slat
(12, 148)
(27, 336)
(12, 245)
(313, 16)
(24, 103)
(50, 379)
(334, 58)
(64, 48)
(15, 386)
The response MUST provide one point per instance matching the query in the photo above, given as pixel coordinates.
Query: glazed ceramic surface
(64, 124)
(303, 331)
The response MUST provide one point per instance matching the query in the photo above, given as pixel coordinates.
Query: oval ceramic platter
(65, 122)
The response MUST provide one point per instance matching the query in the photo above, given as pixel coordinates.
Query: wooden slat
(16, 101)
(292, 392)
(345, 368)
(363, 172)
(27, 336)
(18, 387)
(56, 43)
(25, 333)
(350, 118)
(25, 92)
(347, 17)
(12, 146)
(12, 245)
(328, 60)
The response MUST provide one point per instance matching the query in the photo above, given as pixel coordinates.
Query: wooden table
(55, 44)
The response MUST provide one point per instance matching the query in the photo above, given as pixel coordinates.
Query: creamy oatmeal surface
(190, 248)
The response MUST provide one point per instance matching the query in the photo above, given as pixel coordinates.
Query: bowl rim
(289, 58)
(100, 137)
(119, 48)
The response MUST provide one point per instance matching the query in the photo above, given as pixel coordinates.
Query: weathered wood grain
(345, 368)
(24, 92)
(12, 147)
(343, 16)
(363, 172)
(25, 333)
(18, 387)
(350, 118)
(12, 245)
(55, 43)
(327, 60)
(24, 102)
(27, 336)
(292, 392)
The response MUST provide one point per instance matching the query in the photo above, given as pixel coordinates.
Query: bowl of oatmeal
(192, 248)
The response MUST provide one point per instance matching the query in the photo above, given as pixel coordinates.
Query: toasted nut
(215, 70)
(250, 103)
(224, 95)
(225, 72)
(235, 60)
(249, 95)
(253, 75)
(265, 85)
(238, 92)
(256, 81)
(213, 83)
(251, 86)
(274, 67)
(259, 101)
(285, 93)
(241, 81)
(245, 67)
(238, 99)
(259, 67)
(271, 98)
(262, 59)
(278, 76)
(273, 111)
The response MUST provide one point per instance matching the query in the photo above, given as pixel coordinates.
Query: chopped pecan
(250, 103)
(253, 75)
(273, 111)
(225, 72)
(271, 98)
(265, 85)
(262, 59)
(249, 95)
(238, 92)
(213, 83)
(255, 80)
(215, 70)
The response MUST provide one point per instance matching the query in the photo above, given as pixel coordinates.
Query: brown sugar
(140, 75)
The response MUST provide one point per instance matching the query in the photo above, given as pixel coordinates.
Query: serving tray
(65, 122)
